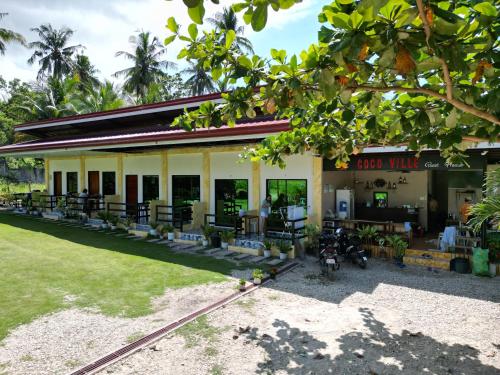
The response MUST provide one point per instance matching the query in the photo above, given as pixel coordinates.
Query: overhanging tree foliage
(421, 73)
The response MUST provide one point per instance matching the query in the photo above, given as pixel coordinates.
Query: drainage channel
(127, 350)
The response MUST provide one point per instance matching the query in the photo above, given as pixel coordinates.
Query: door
(131, 192)
(93, 183)
(57, 183)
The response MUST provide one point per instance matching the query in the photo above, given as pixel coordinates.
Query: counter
(394, 214)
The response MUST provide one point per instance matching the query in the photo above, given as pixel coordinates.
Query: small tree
(489, 208)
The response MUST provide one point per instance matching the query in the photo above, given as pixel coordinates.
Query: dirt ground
(382, 320)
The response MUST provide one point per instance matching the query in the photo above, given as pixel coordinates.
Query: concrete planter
(267, 253)
(204, 243)
(224, 245)
(170, 236)
(283, 256)
(257, 281)
(152, 232)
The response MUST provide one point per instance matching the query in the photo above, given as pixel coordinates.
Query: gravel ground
(382, 320)
(65, 340)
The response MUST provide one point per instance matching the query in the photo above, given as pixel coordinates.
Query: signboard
(405, 162)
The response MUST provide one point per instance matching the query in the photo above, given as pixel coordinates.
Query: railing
(77, 205)
(288, 228)
(175, 215)
(234, 222)
(138, 212)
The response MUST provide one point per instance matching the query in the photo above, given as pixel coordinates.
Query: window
(286, 193)
(185, 190)
(150, 188)
(108, 183)
(231, 196)
(71, 182)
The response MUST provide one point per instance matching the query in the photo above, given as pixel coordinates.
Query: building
(131, 156)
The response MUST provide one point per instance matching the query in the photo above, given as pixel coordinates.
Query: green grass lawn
(42, 262)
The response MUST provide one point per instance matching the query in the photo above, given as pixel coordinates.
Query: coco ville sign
(405, 163)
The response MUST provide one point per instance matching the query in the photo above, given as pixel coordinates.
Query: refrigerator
(344, 203)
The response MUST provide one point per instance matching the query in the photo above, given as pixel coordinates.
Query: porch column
(164, 175)
(317, 204)
(119, 177)
(206, 179)
(47, 175)
(256, 186)
(82, 173)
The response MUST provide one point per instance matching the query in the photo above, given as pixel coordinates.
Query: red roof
(251, 128)
(137, 108)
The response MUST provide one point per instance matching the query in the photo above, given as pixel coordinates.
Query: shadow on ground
(117, 244)
(376, 350)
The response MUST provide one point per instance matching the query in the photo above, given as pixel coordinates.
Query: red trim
(96, 115)
(168, 135)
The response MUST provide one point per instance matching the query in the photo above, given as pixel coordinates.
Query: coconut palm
(96, 98)
(148, 66)
(8, 36)
(85, 71)
(52, 52)
(199, 81)
(227, 20)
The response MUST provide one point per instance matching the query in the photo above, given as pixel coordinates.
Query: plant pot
(242, 288)
(104, 226)
(204, 243)
(224, 245)
(152, 232)
(257, 281)
(170, 236)
(493, 269)
(267, 253)
(283, 256)
(113, 227)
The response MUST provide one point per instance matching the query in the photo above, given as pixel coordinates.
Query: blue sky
(103, 27)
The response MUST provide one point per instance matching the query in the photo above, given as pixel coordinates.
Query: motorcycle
(350, 248)
(328, 259)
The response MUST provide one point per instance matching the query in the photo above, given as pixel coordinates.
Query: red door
(93, 183)
(131, 192)
(57, 183)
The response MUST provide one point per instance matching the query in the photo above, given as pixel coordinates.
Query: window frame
(286, 189)
(191, 177)
(68, 190)
(143, 185)
(103, 183)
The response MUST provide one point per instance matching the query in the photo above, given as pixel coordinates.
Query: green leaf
(230, 36)
(339, 20)
(345, 96)
(451, 119)
(371, 123)
(347, 115)
(238, 7)
(193, 31)
(169, 39)
(172, 25)
(355, 19)
(259, 18)
(486, 9)
(197, 13)
(245, 62)
(444, 14)
(192, 3)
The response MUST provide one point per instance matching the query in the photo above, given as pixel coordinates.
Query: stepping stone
(131, 236)
(218, 253)
(274, 262)
(242, 256)
(121, 235)
(138, 238)
(162, 242)
(213, 251)
(154, 240)
(255, 259)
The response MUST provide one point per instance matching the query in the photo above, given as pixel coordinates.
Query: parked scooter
(328, 259)
(350, 248)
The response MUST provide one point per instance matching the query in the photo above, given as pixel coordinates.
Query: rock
(491, 354)
(235, 337)
(244, 330)
(154, 348)
(318, 356)
(265, 336)
(416, 334)
(359, 355)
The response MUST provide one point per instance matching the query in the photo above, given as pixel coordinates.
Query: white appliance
(296, 213)
(344, 206)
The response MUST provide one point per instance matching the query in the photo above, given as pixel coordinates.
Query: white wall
(100, 165)
(141, 166)
(70, 165)
(297, 167)
(187, 165)
(226, 165)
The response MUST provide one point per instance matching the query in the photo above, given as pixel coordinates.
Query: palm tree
(7, 36)
(227, 20)
(148, 66)
(85, 71)
(96, 98)
(55, 57)
(199, 81)
(489, 208)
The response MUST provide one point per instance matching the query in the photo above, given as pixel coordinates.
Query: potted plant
(103, 215)
(494, 248)
(242, 284)
(312, 231)
(126, 222)
(113, 220)
(367, 234)
(257, 276)
(170, 231)
(226, 236)
(284, 248)
(273, 273)
(267, 248)
(399, 246)
(208, 230)
(154, 226)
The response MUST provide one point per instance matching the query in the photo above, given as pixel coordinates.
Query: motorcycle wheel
(362, 263)
(323, 266)
(330, 271)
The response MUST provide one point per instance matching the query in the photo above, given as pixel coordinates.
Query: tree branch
(420, 90)
(427, 31)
